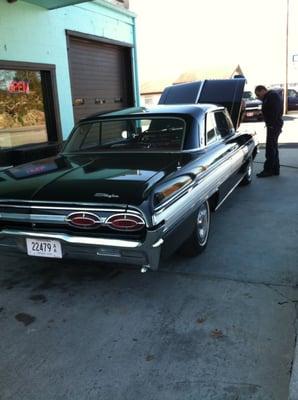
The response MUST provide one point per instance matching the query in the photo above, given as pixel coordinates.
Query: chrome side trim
(72, 239)
(228, 194)
(205, 171)
(208, 183)
(204, 184)
(158, 243)
(5, 168)
(59, 219)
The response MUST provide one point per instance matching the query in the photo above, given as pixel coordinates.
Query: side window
(211, 134)
(229, 121)
(222, 125)
(92, 138)
(292, 93)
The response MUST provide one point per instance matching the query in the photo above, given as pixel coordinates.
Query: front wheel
(248, 176)
(197, 242)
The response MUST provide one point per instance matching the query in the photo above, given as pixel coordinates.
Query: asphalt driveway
(220, 326)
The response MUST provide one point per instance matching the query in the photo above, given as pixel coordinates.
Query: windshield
(247, 95)
(132, 135)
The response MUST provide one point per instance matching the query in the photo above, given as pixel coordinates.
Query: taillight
(125, 222)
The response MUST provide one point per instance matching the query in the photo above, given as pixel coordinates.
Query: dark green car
(131, 185)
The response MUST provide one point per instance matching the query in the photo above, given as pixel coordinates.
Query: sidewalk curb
(293, 386)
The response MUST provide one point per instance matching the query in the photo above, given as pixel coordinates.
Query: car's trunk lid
(105, 178)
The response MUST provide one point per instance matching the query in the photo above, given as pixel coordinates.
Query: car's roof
(194, 110)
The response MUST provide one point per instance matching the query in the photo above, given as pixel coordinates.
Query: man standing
(272, 109)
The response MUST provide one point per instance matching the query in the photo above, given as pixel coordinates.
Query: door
(220, 151)
(101, 77)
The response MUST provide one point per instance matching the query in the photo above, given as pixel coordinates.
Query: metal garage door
(101, 77)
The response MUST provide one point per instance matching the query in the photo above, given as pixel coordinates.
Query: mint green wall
(30, 33)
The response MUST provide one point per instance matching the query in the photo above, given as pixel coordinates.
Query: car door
(219, 152)
(232, 148)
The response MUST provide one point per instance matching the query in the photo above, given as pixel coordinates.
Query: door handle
(232, 148)
(99, 101)
(79, 102)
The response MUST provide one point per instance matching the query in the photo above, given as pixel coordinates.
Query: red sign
(18, 87)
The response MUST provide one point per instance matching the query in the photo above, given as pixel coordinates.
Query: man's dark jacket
(272, 109)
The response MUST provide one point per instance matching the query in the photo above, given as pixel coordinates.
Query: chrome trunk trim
(2, 204)
(39, 218)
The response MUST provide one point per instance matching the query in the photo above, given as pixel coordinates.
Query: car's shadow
(46, 274)
(288, 118)
(39, 274)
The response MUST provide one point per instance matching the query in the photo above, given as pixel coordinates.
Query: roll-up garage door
(101, 77)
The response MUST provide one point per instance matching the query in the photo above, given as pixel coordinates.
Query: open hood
(225, 92)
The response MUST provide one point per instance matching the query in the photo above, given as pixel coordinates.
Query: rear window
(128, 135)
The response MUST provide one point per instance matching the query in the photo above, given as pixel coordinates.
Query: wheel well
(255, 152)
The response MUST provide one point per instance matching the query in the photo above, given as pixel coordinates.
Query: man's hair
(259, 88)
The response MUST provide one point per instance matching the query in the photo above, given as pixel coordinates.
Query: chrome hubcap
(249, 171)
(203, 223)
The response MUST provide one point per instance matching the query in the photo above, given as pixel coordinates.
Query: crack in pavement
(281, 165)
(219, 278)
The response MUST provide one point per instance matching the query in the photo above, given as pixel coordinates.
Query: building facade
(61, 60)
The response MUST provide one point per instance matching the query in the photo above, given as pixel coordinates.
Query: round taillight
(83, 220)
(125, 222)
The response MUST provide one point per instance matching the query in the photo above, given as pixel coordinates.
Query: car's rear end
(253, 111)
(76, 231)
(94, 201)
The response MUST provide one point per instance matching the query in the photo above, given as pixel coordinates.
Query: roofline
(153, 111)
(119, 9)
(144, 93)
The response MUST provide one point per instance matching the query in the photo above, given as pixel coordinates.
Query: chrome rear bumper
(144, 253)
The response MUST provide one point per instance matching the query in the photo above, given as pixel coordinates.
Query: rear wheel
(197, 242)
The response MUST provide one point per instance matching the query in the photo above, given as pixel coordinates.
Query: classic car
(132, 185)
(292, 98)
(253, 108)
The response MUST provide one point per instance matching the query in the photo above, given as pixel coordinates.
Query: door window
(224, 126)
(211, 130)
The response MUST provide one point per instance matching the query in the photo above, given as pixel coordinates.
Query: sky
(174, 36)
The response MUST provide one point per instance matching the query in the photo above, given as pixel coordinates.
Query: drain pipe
(135, 65)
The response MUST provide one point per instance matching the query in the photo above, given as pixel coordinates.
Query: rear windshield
(128, 135)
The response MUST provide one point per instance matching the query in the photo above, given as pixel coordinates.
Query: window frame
(217, 137)
(50, 95)
(121, 119)
(231, 128)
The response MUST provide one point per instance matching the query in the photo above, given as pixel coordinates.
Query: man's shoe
(264, 174)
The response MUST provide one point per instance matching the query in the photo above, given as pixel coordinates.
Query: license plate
(250, 114)
(44, 248)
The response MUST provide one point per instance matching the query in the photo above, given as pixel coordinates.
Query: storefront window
(22, 112)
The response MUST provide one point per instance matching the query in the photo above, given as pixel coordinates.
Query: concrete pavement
(288, 158)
